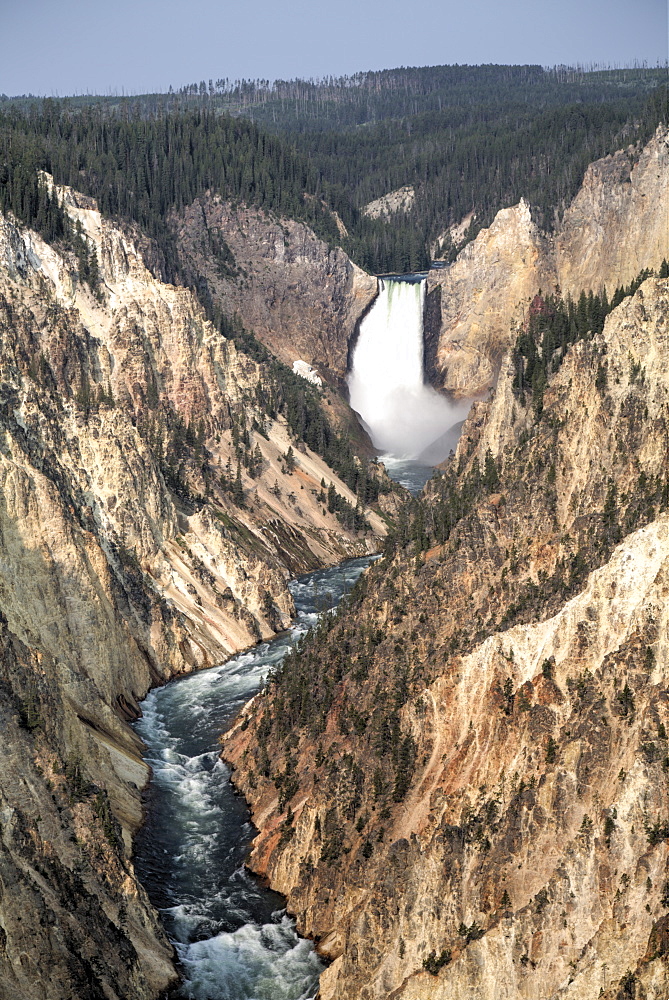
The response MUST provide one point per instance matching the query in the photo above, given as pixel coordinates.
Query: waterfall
(404, 417)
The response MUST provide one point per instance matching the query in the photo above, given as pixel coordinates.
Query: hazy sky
(78, 46)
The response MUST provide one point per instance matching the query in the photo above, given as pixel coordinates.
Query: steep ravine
(461, 783)
(129, 552)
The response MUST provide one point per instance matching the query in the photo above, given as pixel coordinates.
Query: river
(232, 935)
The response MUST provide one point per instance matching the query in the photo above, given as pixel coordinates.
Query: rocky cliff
(300, 298)
(150, 515)
(461, 781)
(617, 225)
(473, 304)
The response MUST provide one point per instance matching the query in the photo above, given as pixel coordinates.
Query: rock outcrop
(480, 296)
(617, 226)
(135, 544)
(476, 803)
(618, 223)
(390, 204)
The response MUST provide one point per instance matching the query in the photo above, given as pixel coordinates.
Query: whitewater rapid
(231, 934)
(405, 418)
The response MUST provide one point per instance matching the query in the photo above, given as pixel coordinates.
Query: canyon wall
(472, 305)
(135, 544)
(617, 225)
(300, 298)
(475, 802)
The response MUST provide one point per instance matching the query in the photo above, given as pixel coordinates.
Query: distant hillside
(335, 103)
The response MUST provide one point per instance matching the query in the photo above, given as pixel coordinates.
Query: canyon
(459, 781)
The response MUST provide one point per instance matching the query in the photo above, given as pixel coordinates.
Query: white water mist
(404, 417)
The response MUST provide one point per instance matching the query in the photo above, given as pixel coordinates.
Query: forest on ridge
(466, 138)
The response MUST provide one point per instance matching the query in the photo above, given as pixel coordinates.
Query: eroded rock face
(111, 582)
(300, 298)
(479, 297)
(617, 225)
(521, 668)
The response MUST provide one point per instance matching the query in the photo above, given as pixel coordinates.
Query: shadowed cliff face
(617, 225)
(299, 297)
(129, 552)
(475, 801)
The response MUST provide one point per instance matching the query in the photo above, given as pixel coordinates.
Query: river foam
(232, 935)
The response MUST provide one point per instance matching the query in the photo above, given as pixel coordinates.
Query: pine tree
(238, 488)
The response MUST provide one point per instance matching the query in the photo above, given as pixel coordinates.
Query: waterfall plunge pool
(232, 936)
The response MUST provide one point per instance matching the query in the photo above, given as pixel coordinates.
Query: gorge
(232, 938)
(458, 778)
